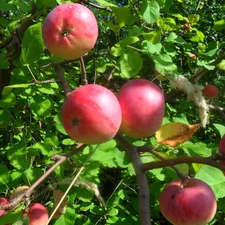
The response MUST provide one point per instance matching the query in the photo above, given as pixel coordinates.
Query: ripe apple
(142, 103)
(37, 214)
(210, 91)
(91, 114)
(190, 203)
(70, 31)
(187, 26)
(2, 202)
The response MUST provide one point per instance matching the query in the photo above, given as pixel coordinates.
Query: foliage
(136, 38)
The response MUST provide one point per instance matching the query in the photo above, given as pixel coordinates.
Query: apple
(210, 91)
(91, 114)
(70, 31)
(2, 202)
(192, 56)
(187, 26)
(189, 203)
(37, 214)
(142, 103)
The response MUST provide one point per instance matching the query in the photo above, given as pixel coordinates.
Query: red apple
(142, 103)
(70, 31)
(91, 114)
(187, 26)
(2, 202)
(210, 91)
(190, 203)
(37, 214)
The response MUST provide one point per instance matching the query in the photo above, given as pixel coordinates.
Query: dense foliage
(151, 39)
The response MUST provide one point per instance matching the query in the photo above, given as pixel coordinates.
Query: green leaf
(219, 25)
(150, 11)
(4, 63)
(31, 175)
(68, 218)
(8, 100)
(7, 89)
(221, 65)
(105, 3)
(128, 41)
(214, 178)
(45, 149)
(130, 63)
(153, 36)
(33, 45)
(196, 149)
(18, 158)
(41, 107)
(5, 118)
(150, 48)
(10, 217)
(174, 38)
(220, 128)
(4, 174)
(123, 16)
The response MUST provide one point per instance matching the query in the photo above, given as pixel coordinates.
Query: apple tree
(112, 112)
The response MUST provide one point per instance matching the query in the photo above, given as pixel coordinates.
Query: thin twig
(59, 160)
(83, 72)
(71, 185)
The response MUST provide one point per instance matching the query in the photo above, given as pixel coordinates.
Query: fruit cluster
(93, 114)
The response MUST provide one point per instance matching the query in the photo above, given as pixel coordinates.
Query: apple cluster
(93, 114)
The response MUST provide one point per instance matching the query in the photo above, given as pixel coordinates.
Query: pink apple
(91, 114)
(37, 214)
(2, 202)
(210, 91)
(70, 31)
(142, 103)
(190, 203)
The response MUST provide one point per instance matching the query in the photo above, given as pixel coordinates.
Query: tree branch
(211, 161)
(143, 194)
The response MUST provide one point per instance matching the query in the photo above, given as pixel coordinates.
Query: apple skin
(210, 91)
(37, 214)
(2, 202)
(70, 31)
(142, 103)
(192, 203)
(91, 114)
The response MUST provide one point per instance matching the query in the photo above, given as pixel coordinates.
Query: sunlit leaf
(175, 133)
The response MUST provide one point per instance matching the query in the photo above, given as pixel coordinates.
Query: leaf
(7, 89)
(214, 178)
(221, 65)
(150, 11)
(8, 100)
(4, 174)
(220, 128)
(130, 63)
(175, 133)
(33, 45)
(219, 25)
(58, 194)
